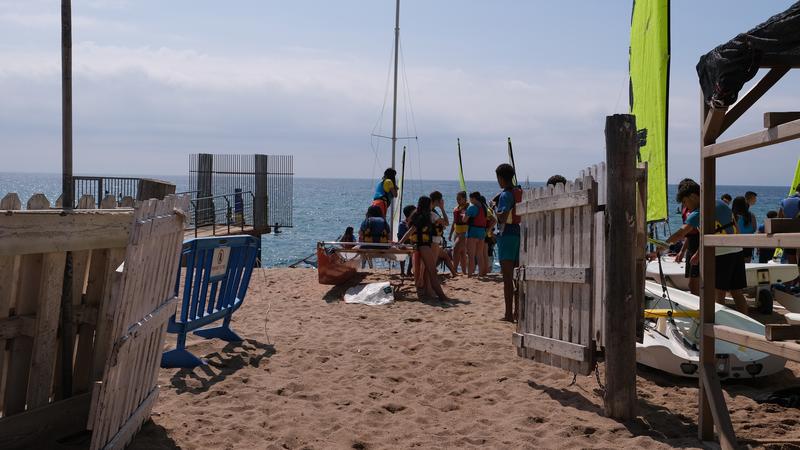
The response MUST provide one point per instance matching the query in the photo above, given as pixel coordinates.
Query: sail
(398, 209)
(649, 90)
(461, 182)
(796, 180)
(511, 161)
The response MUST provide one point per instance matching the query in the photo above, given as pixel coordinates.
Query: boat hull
(757, 274)
(672, 347)
(333, 269)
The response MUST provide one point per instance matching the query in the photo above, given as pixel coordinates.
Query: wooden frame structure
(780, 127)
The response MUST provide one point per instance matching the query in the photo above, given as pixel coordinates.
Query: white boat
(757, 274)
(671, 344)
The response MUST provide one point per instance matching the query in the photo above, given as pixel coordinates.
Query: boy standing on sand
(508, 236)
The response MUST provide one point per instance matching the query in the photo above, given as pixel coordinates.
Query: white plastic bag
(370, 294)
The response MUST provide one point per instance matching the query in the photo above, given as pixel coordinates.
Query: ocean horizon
(324, 207)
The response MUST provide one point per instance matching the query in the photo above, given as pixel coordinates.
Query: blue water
(323, 208)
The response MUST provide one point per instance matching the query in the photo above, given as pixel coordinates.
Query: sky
(155, 81)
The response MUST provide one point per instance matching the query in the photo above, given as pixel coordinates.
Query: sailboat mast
(394, 100)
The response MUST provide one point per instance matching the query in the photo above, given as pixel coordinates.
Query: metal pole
(394, 100)
(68, 194)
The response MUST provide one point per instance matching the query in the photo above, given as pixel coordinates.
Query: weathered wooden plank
(751, 97)
(782, 332)
(87, 201)
(9, 275)
(11, 202)
(42, 427)
(598, 264)
(567, 241)
(783, 225)
(770, 136)
(773, 119)
(722, 419)
(566, 349)
(38, 201)
(557, 261)
(783, 240)
(44, 344)
(587, 234)
(125, 434)
(27, 232)
(788, 350)
(16, 326)
(553, 202)
(108, 202)
(713, 124)
(558, 274)
(19, 361)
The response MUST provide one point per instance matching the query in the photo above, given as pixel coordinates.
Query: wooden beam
(770, 136)
(773, 119)
(788, 350)
(772, 226)
(783, 240)
(722, 418)
(553, 346)
(41, 427)
(554, 202)
(621, 310)
(557, 274)
(132, 424)
(782, 332)
(751, 97)
(713, 125)
(25, 232)
(16, 326)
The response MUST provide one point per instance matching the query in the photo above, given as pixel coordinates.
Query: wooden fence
(557, 275)
(117, 321)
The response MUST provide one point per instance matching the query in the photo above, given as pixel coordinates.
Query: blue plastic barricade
(218, 272)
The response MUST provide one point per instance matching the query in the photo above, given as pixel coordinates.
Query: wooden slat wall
(556, 324)
(31, 279)
(124, 398)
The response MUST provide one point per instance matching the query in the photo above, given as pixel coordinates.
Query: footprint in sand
(393, 407)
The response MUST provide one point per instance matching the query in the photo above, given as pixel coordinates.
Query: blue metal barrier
(218, 272)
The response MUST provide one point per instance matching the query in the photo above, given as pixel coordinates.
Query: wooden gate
(557, 276)
(144, 300)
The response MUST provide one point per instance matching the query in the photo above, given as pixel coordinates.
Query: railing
(120, 188)
(204, 211)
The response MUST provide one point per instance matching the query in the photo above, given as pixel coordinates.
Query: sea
(323, 208)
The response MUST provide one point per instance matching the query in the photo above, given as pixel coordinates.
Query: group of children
(732, 216)
(476, 225)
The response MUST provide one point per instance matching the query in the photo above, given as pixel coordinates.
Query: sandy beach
(317, 373)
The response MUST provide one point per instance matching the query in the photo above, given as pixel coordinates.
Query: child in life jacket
(385, 191)
(476, 233)
(402, 229)
(348, 236)
(420, 234)
(508, 236)
(374, 229)
(459, 227)
(440, 223)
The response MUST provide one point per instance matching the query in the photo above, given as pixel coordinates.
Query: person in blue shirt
(508, 236)
(745, 221)
(730, 274)
(374, 229)
(477, 220)
(790, 208)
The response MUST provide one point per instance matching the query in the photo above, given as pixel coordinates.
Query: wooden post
(260, 201)
(205, 167)
(157, 189)
(620, 262)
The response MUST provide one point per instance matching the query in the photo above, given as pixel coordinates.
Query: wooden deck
(221, 230)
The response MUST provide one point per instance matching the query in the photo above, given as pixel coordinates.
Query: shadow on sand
(222, 364)
(153, 437)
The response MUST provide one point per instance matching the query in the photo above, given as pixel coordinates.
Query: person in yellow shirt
(385, 191)
(459, 227)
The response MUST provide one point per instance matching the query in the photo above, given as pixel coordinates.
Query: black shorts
(692, 244)
(731, 273)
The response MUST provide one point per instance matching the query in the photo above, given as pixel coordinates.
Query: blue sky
(156, 81)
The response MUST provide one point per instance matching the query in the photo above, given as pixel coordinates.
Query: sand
(317, 373)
